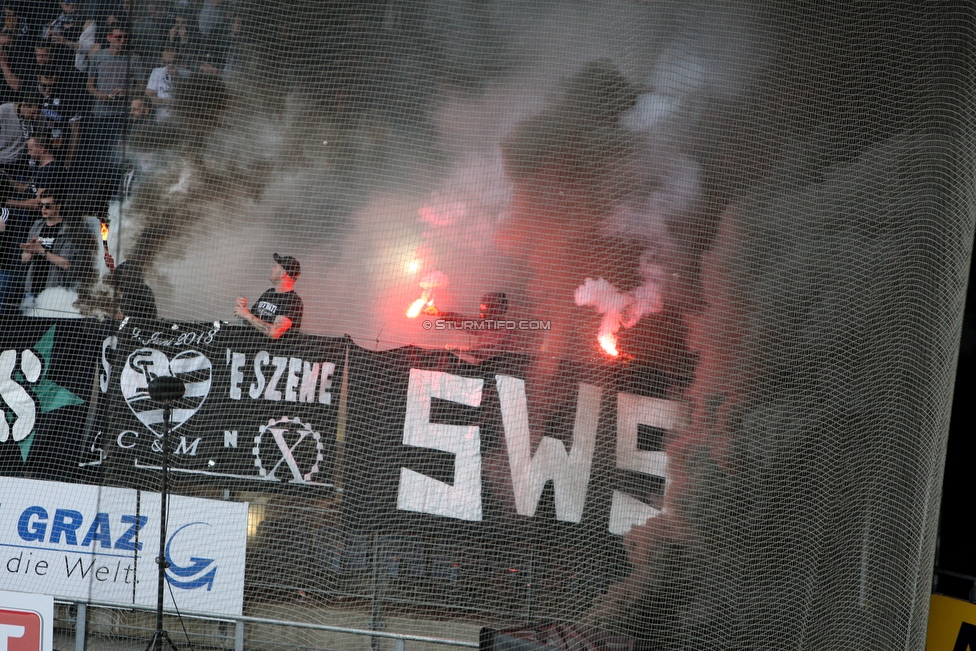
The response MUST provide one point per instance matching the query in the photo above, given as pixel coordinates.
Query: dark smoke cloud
(537, 148)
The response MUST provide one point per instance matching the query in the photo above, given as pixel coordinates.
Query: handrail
(241, 619)
(957, 575)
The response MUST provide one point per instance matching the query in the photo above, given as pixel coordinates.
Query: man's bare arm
(280, 326)
(273, 330)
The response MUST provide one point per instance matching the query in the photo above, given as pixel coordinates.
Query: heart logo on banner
(146, 364)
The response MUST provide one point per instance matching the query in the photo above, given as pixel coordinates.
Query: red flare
(423, 304)
(414, 310)
(609, 344)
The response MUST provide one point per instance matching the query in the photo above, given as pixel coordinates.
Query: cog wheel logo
(289, 442)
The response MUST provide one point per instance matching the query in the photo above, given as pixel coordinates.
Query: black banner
(452, 439)
(47, 371)
(441, 453)
(257, 413)
(459, 401)
(451, 467)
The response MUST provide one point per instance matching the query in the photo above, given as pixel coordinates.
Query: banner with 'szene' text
(47, 369)
(98, 543)
(257, 413)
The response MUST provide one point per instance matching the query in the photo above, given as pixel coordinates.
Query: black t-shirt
(20, 58)
(47, 237)
(69, 26)
(57, 111)
(18, 223)
(273, 304)
(49, 177)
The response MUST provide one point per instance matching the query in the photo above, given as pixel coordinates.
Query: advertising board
(100, 544)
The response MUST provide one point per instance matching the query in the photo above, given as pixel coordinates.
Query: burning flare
(609, 344)
(622, 309)
(414, 310)
(609, 302)
(425, 303)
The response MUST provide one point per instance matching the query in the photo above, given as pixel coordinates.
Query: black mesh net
(589, 324)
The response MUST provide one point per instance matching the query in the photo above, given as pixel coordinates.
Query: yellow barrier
(952, 625)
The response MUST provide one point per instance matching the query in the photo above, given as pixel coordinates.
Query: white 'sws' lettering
(568, 471)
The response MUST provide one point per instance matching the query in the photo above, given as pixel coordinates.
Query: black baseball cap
(289, 264)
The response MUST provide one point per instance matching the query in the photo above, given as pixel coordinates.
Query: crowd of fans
(80, 79)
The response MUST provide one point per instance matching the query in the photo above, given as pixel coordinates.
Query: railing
(81, 633)
(956, 575)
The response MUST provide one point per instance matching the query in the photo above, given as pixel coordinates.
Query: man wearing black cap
(279, 309)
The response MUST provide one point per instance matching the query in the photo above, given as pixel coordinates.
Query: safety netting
(529, 324)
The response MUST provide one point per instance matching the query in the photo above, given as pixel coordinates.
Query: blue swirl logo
(197, 574)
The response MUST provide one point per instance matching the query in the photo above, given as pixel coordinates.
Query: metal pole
(375, 621)
(168, 394)
(528, 587)
(161, 559)
(81, 621)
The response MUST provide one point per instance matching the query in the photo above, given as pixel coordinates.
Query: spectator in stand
(55, 57)
(48, 174)
(48, 53)
(112, 74)
(61, 113)
(16, 126)
(215, 18)
(150, 32)
(161, 81)
(13, 229)
(180, 34)
(17, 19)
(139, 111)
(218, 29)
(15, 57)
(67, 27)
(51, 252)
(43, 54)
(72, 36)
(139, 129)
(279, 309)
(123, 11)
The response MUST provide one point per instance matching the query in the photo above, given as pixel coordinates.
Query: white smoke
(371, 206)
(625, 309)
(690, 75)
(607, 300)
(648, 298)
(54, 303)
